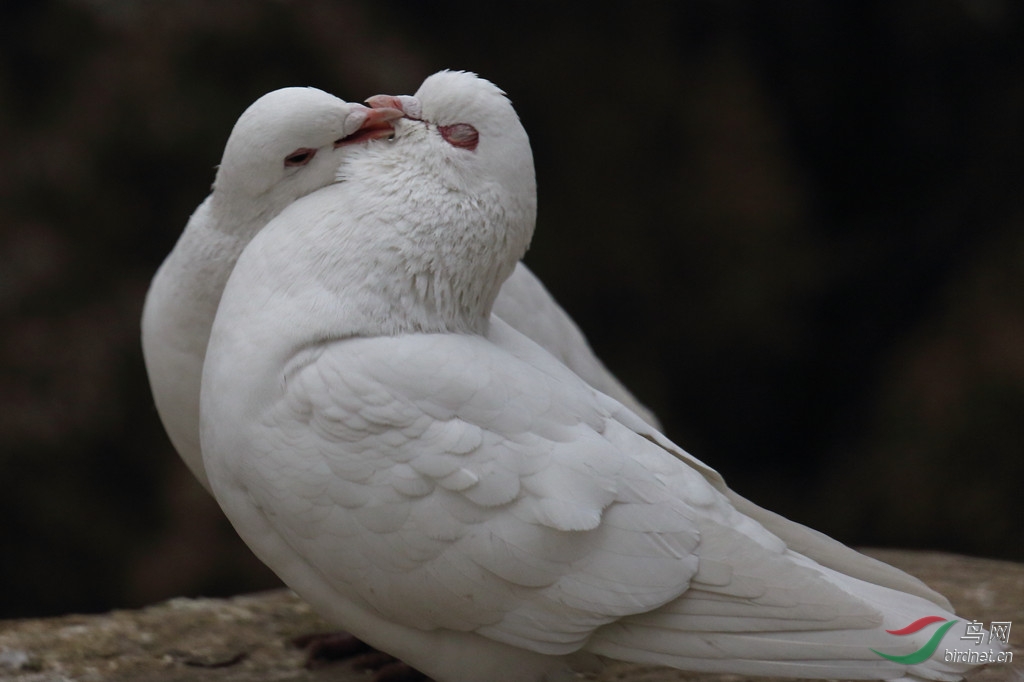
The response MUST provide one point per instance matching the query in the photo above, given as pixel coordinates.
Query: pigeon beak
(376, 124)
(407, 104)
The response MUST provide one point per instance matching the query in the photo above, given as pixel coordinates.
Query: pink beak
(376, 125)
(407, 104)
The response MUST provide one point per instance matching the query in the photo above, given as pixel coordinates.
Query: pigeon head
(457, 182)
(476, 134)
(287, 144)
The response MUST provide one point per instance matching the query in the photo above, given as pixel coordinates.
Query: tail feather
(708, 612)
(772, 597)
(806, 621)
(712, 645)
(836, 555)
(806, 541)
(745, 662)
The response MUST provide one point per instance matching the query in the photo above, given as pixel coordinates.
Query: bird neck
(375, 263)
(187, 287)
(239, 215)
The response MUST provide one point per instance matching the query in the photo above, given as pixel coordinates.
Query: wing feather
(486, 488)
(477, 493)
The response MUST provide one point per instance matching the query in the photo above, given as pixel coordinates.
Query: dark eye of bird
(461, 135)
(300, 157)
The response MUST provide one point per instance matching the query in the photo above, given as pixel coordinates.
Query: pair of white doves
(402, 423)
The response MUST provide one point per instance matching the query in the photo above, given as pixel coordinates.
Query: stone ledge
(245, 639)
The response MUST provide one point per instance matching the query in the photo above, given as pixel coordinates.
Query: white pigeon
(446, 490)
(285, 145)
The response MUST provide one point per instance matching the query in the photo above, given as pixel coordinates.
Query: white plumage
(448, 491)
(285, 145)
(262, 171)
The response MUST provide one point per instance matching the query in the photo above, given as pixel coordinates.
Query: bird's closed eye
(461, 135)
(300, 157)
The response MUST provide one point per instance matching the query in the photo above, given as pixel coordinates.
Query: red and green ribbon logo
(925, 652)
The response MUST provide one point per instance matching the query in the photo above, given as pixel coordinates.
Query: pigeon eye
(300, 157)
(461, 135)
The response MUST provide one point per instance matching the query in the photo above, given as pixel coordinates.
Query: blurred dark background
(795, 229)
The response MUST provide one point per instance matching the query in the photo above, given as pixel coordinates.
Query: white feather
(447, 490)
(252, 187)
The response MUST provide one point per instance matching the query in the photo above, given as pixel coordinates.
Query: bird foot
(324, 648)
